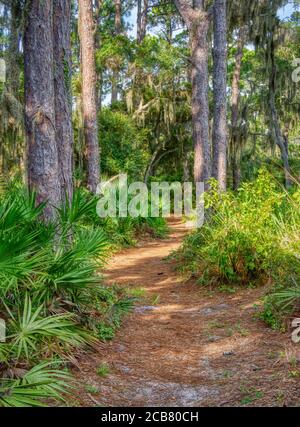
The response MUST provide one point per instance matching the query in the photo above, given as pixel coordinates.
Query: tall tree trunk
(200, 108)
(235, 104)
(142, 19)
(139, 21)
(197, 21)
(118, 16)
(118, 30)
(63, 96)
(89, 95)
(276, 131)
(43, 166)
(98, 6)
(219, 134)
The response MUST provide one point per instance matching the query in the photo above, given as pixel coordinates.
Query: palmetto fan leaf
(73, 269)
(40, 383)
(29, 331)
(80, 207)
(21, 238)
(20, 255)
(91, 243)
(19, 209)
(287, 298)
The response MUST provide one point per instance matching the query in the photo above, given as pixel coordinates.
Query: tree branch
(185, 10)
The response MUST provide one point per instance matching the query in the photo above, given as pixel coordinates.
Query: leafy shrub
(105, 332)
(236, 243)
(250, 237)
(119, 306)
(123, 145)
(271, 314)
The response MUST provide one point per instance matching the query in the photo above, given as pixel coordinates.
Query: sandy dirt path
(193, 347)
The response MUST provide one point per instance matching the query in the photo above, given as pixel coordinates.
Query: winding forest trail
(187, 346)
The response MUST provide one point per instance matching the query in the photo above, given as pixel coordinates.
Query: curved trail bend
(186, 346)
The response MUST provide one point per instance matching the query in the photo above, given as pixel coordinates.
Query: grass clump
(103, 370)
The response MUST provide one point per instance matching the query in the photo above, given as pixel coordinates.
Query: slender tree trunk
(114, 86)
(139, 21)
(118, 30)
(275, 126)
(280, 141)
(98, 6)
(89, 95)
(63, 96)
(43, 166)
(219, 134)
(149, 168)
(235, 103)
(12, 63)
(144, 20)
(200, 108)
(185, 167)
(118, 16)
(11, 90)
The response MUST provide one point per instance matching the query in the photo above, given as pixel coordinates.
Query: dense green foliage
(251, 238)
(124, 145)
(52, 297)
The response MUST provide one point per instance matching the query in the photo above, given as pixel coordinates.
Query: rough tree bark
(118, 30)
(235, 104)
(139, 21)
(62, 90)
(219, 134)
(118, 16)
(200, 109)
(98, 6)
(142, 14)
(43, 166)
(89, 95)
(197, 21)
